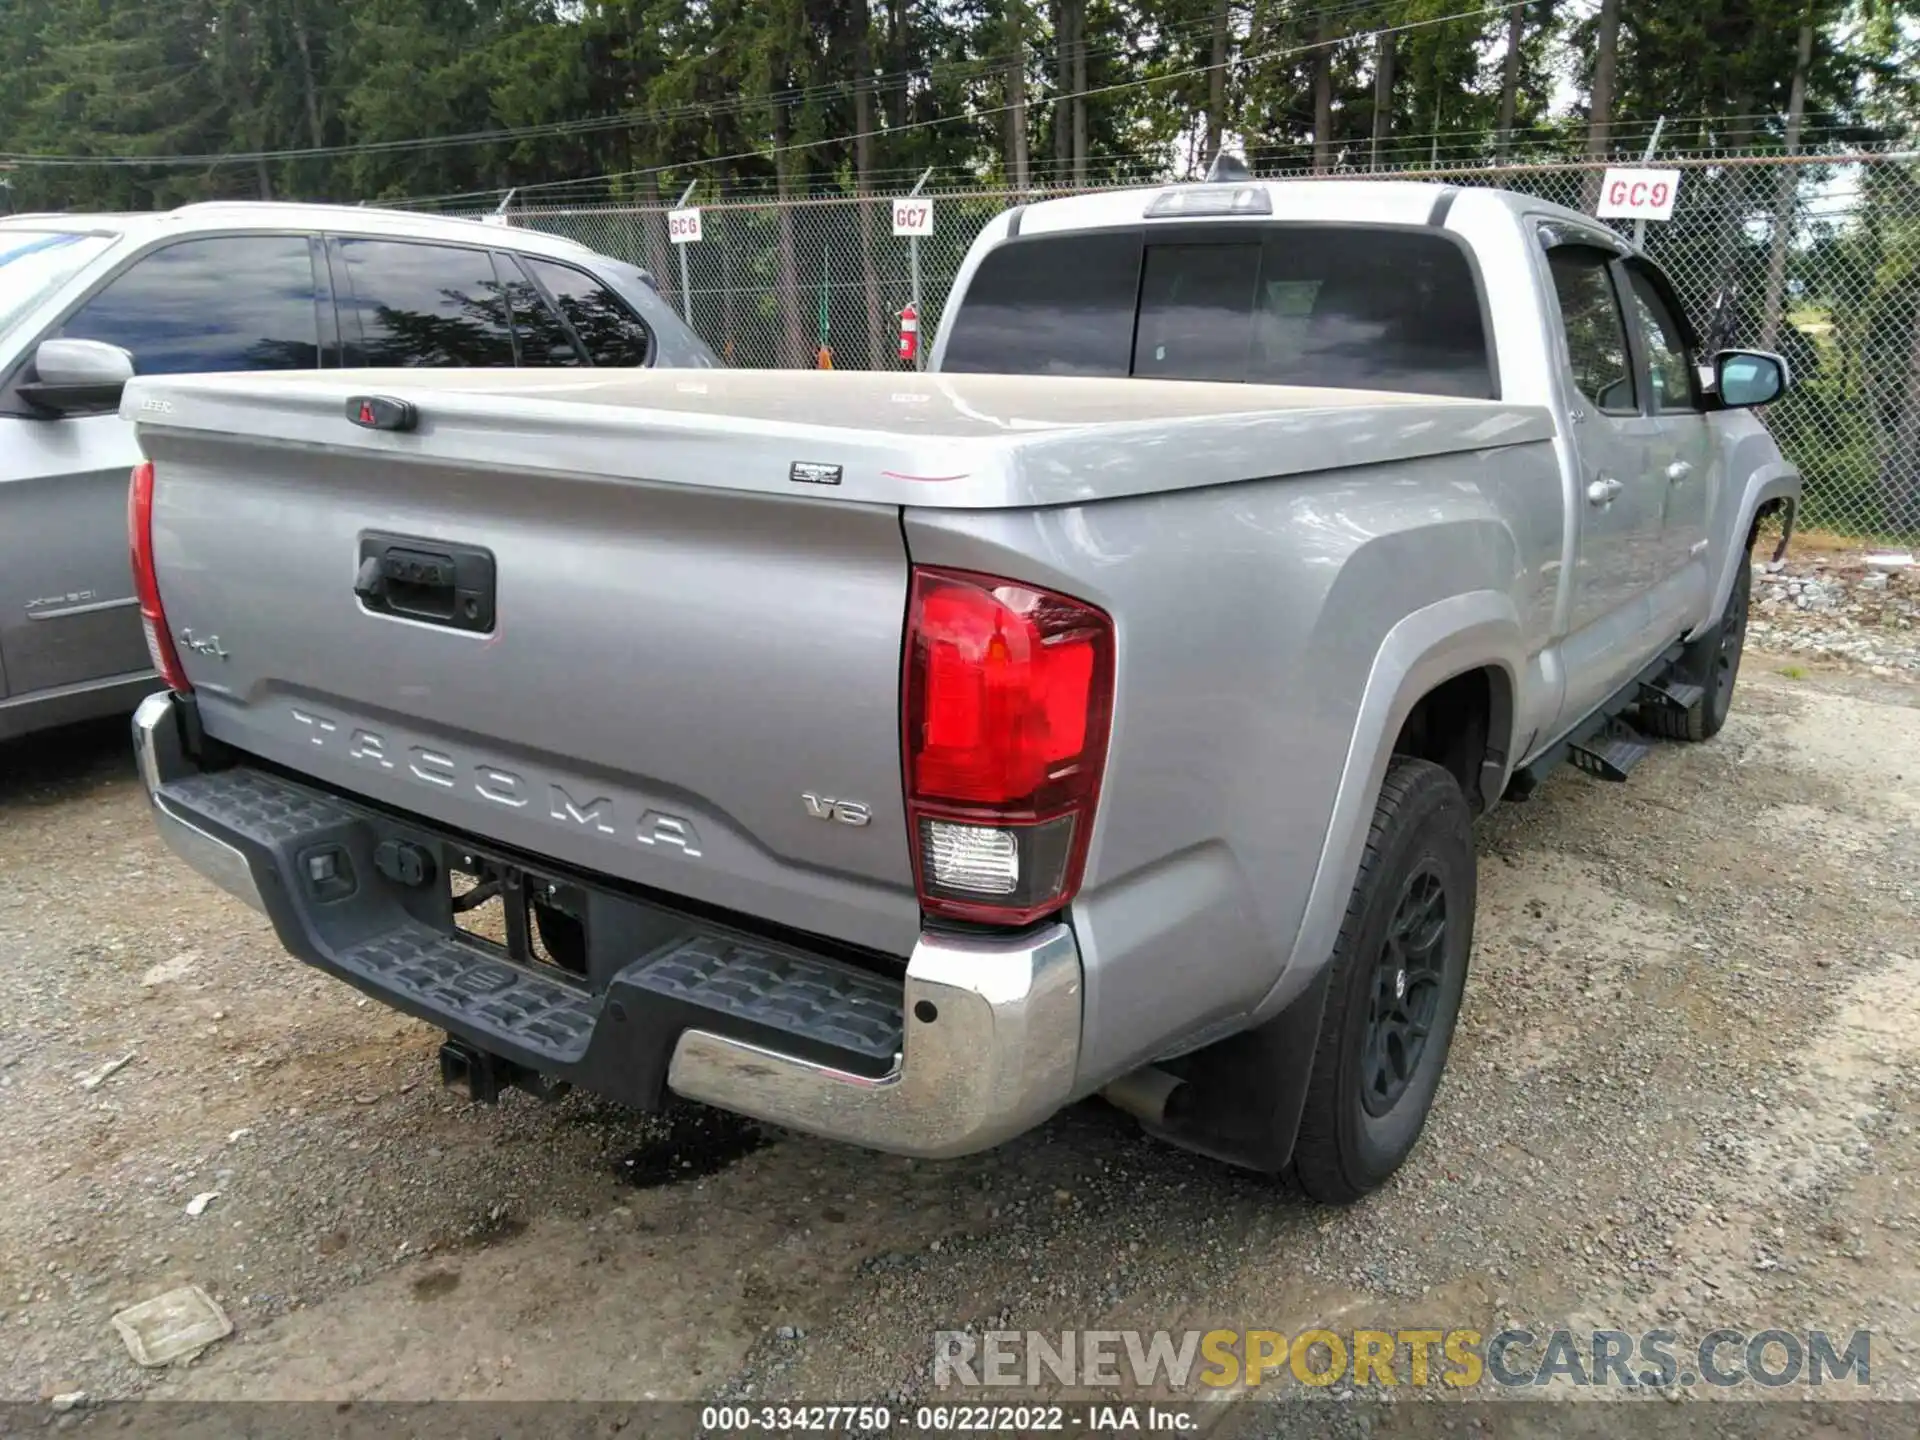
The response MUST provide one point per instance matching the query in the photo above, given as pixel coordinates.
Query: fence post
(913, 274)
(1653, 143)
(686, 293)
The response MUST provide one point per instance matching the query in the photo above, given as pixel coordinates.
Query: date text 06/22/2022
(964, 1419)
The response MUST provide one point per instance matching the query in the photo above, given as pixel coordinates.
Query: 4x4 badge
(208, 645)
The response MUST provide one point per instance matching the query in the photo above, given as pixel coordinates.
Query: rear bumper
(978, 1042)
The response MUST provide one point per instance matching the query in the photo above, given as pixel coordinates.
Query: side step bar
(1603, 745)
(1610, 755)
(1676, 695)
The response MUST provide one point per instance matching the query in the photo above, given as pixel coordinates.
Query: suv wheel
(1394, 992)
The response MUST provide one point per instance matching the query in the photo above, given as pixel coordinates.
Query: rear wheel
(1394, 992)
(1711, 661)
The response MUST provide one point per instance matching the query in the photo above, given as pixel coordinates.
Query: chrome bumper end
(992, 1040)
(156, 745)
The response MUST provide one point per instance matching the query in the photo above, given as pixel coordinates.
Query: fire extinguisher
(909, 333)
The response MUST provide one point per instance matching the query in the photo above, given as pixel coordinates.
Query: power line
(954, 72)
(977, 114)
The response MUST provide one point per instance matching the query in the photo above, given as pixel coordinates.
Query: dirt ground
(1683, 1095)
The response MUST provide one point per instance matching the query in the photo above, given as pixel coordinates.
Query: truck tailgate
(669, 675)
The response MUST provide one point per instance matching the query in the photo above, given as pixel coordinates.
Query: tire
(1712, 661)
(1373, 1079)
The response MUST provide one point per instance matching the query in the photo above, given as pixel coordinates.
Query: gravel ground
(1841, 607)
(1683, 1095)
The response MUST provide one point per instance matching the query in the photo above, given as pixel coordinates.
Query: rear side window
(544, 337)
(611, 332)
(236, 302)
(409, 304)
(1362, 308)
(1052, 305)
(1596, 332)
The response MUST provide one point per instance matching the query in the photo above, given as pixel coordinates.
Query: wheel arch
(1772, 487)
(1477, 633)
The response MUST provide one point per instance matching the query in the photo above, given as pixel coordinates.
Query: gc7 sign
(683, 226)
(1634, 194)
(913, 217)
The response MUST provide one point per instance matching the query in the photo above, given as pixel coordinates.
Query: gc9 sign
(1633, 194)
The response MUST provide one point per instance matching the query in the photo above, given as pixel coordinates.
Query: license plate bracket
(531, 919)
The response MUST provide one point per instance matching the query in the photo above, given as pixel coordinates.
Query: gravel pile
(1839, 608)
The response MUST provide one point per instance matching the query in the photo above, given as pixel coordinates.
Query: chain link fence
(1816, 256)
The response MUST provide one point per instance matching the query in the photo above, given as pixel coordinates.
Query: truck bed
(945, 441)
(687, 646)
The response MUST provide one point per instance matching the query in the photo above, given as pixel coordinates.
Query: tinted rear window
(1051, 306)
(1362, 308)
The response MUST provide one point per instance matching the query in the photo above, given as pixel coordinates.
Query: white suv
(87, 301)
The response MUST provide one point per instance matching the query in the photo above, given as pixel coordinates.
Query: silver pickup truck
(900, 758)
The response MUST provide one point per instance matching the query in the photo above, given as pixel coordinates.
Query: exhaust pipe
(1144, 1093)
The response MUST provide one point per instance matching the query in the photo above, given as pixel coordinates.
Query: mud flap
(1243, 1097)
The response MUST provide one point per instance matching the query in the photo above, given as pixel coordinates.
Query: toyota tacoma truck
(900, 758)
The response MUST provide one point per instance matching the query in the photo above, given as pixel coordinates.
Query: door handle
(426, 580)
(1678, 471)
(1602, 491)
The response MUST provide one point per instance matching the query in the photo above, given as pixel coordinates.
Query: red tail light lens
(146, 585)
(1007, 699)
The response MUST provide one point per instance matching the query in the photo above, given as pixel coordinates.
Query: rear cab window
(1360, 307)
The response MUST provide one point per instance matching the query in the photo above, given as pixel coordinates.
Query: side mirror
(77, 377)
(1744, 378)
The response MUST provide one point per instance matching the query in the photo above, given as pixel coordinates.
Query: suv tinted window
(1349, 306)
(422, 305)
(611, 332)
(543, 335)
(1052, 305)
(235, 302)
(1596, 334)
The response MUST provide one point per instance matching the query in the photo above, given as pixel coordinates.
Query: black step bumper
(977, 1042)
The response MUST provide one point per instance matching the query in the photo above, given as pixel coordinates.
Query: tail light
(145, 584)
(1006, 703)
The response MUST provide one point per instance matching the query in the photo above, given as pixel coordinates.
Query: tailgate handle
(426, 580)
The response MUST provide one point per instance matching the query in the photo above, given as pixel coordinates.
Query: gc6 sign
(1633, 194)
(683, 226)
